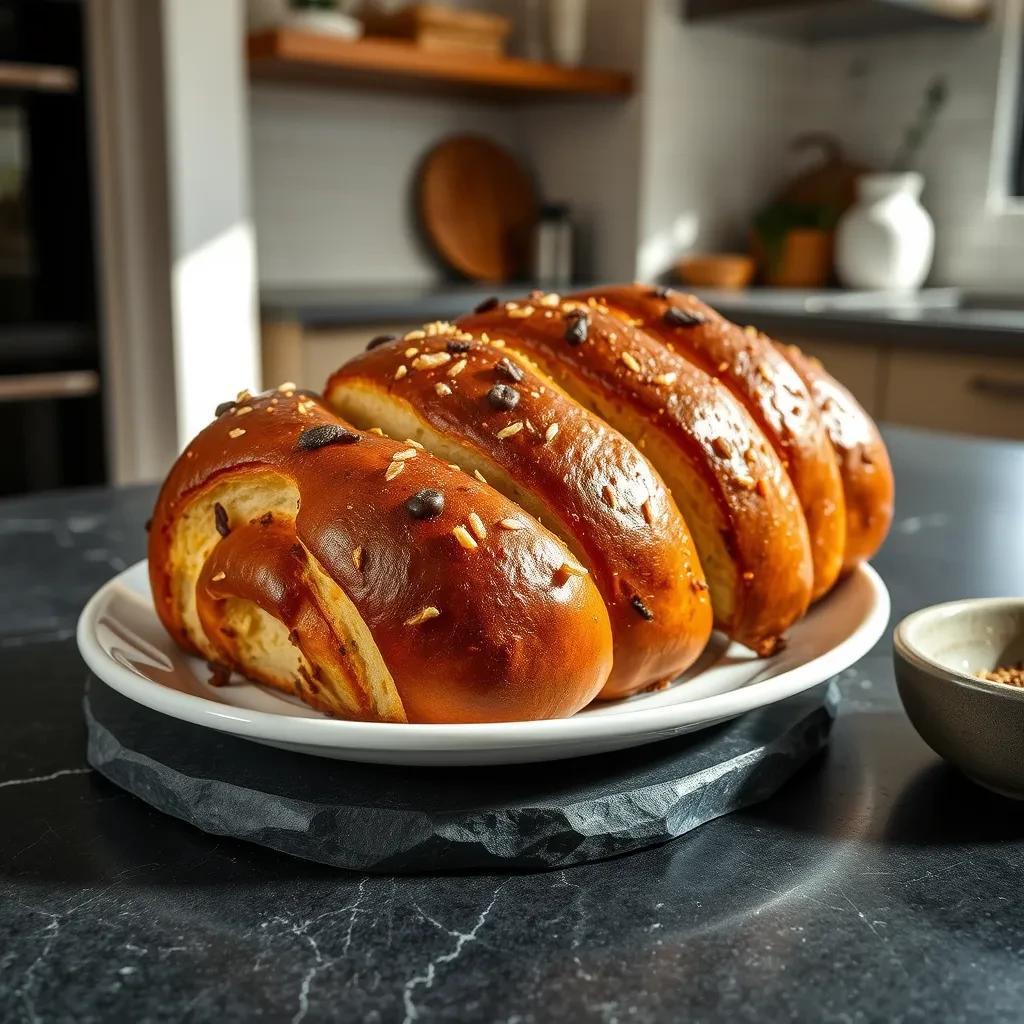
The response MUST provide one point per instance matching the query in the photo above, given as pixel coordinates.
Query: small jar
(552, 247)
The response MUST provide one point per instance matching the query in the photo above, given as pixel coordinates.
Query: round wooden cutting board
(478, 207)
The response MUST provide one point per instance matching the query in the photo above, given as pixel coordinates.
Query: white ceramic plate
(124, 644)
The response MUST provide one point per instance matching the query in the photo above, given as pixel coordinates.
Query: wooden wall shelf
(292, 56)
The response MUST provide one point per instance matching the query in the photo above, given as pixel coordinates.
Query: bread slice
(290, 547)
(862, 459)
(491, 412)
(727, 480)
(750, 366)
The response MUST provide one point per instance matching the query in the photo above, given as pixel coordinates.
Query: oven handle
(27, 387)
(38, 77)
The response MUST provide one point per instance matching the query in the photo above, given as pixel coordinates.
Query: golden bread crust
(516, 635)
(729, 484)
(863, 460)
(773, 393)
(541, 448)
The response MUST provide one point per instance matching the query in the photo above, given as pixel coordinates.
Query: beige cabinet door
(309, 357)
(325, 350)
(861, 367)
(962, 393)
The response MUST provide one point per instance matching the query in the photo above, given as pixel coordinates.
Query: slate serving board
(395, 820)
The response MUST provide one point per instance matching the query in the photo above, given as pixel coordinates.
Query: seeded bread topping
(563, 465)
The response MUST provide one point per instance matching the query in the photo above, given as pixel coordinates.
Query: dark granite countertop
(878, 885)
(935, 321)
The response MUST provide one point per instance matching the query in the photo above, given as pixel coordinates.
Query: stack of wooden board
(433, 27)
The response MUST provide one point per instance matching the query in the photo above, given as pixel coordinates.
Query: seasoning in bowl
(1009, 675)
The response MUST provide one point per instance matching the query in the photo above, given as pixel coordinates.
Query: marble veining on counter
(878, 885)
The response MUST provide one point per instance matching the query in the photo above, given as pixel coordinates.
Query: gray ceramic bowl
(975, 724)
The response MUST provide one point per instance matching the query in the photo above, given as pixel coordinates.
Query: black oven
(50, 404)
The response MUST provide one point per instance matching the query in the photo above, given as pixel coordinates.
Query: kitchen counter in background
(939, 318)
(878, 885)
(944, 361)
(354, 306)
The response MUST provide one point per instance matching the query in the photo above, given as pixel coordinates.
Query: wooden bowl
(717, 270)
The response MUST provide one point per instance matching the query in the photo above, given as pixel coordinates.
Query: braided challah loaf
(583, 482)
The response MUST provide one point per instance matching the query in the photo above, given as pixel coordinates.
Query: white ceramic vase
(886, 240)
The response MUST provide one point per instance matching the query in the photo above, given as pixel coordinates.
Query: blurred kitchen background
(201, 197)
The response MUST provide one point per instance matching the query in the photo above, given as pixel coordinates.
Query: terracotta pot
(805, 259)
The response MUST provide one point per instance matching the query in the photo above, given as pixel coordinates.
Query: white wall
(717, 111)
(684, 164)
(867, 91)
(333, 174)
(722, 107)
(333, 170)
(587, 153)
(212, 246)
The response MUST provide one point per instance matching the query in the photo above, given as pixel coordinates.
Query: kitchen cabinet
(860, 367)
(952, 391)
(965, 393)
(941, 390)
(308, 356)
